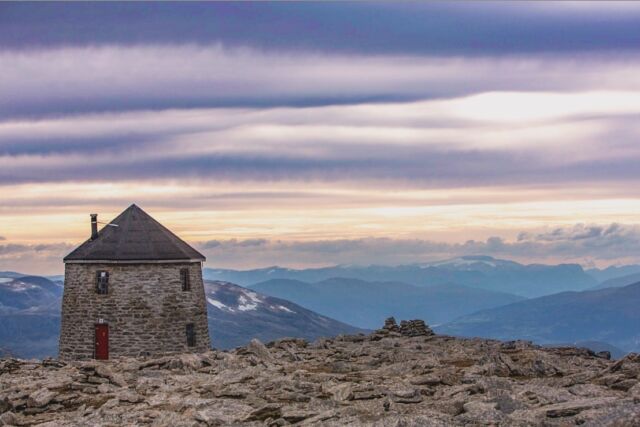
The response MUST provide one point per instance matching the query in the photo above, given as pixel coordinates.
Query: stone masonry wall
(146, 310)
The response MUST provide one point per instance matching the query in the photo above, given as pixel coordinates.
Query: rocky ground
(397, 376)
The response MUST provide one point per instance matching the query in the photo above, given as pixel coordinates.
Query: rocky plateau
(400, 375)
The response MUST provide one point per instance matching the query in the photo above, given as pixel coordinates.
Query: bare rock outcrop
(399, 375)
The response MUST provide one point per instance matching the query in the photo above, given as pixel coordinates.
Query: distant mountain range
(29, 294)
(237, 314)
(471, 296)
(618, 282)
(473, 271)
(30, 317)
(367, 304)
(613, 271)
(607, 316)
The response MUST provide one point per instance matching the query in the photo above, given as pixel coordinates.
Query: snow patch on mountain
(235, 299)
(237, 314)
(245, 305)
(218, 304)
(253, 296)
(283, 308)
(15, 285)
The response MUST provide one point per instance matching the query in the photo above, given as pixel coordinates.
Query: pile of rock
(385, 378)
(415, 328)
(407, 328)
(391, 325)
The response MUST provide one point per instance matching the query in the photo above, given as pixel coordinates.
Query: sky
(312, 134)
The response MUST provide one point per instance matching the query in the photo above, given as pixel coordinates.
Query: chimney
(94, 226)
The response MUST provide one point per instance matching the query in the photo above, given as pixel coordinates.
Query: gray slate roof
(138, 237)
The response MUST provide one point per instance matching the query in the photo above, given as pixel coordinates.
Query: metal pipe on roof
(94, 226)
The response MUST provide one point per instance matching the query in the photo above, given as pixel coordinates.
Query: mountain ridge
(618, 281)
(366, 304)
(607, 315)
(526, 280)
(238, 314)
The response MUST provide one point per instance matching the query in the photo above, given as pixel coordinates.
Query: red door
(102, 342)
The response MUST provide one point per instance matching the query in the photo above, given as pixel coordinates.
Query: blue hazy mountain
(32, 294)
(29, 315)
(30, 310)
(619, 281)
(367, 304)
(237, 314)
(11, 274)
(608, 315)
(483, 272)
(613, 271)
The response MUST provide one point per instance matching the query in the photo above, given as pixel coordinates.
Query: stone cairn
(414, 328)
(391, 325)
(407, 328)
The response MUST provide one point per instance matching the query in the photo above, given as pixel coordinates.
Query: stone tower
(134, 288)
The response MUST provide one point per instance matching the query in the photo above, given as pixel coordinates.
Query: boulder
(342, 392)
(264, 412)
(258, 349)
(40, 398)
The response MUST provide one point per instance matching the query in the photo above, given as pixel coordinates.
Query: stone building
(134, 288)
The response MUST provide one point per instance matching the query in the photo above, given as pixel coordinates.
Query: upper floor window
(102, 282)
(191, 335)
(184, 279)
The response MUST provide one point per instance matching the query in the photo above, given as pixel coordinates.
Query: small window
(184, 279)
(191, 335)
(102, 282)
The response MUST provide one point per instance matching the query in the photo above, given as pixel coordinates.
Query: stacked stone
(407, 328)
(390, 328)
(414, 328)
(391, 325)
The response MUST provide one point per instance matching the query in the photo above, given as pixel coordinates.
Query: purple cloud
(16, 248)
(372, 27)
(98, 79)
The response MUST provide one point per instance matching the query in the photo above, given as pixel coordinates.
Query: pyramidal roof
(137, 237)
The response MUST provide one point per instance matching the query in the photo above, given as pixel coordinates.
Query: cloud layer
(579, 243)
(320, 132)
(479, 140)
(424, 28)
(115, 78)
